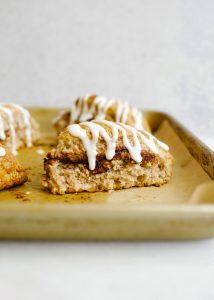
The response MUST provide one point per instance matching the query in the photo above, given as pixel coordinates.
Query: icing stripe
(97, 130)
(26, 120)
(11, 126)
(2, 152)
(82, 111)
(7, 110)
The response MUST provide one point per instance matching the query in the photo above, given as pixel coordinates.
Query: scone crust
(64, 117)
(80, 162)
(11, 171)
(72, 147)
(20, 135)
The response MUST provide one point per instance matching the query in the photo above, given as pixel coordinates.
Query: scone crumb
(40, 151)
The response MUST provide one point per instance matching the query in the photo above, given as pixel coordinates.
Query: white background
(155, 54)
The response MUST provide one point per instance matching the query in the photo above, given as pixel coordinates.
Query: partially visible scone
(11, 172)
(92, 107)
(103, 155)
(17, 127)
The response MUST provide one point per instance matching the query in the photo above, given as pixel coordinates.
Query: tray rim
(94, 221)
(53, 208)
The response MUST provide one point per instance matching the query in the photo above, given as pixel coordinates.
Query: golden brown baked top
(11, 172)
(92, 141)
(17, 126)
(92, 107)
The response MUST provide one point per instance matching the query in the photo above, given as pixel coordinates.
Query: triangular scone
(11, 172)
(92, 107)
(103, 155)
(17, 127)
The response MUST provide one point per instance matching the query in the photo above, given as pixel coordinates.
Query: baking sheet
(187, 175)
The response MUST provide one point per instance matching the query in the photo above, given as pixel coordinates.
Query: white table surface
(111, 270)
(156, 54)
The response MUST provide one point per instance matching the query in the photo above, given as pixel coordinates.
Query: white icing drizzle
(97, 130)
(10, 120)
(26, 119)
(2, 152)
(6, 109)
(137, 115)
(2, 133)
(59, 116)
(81, 111)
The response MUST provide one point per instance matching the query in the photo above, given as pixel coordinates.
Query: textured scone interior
(64, 176)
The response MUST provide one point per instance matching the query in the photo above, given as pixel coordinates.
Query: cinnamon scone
(11, 172)
(101, 155)
(92, 107)
(17, 127)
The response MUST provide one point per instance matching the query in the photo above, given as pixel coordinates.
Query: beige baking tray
(181, 209)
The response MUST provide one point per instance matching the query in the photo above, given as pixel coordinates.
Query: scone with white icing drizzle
(92, 107)
(17, 127)
(102, 155)
(11, 172)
